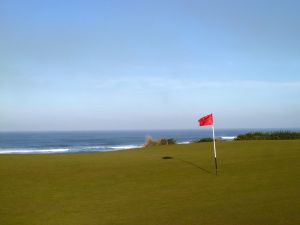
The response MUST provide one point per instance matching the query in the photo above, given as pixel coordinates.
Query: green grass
(258, 184)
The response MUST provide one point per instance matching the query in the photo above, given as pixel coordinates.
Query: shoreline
(89, 143)
(73, 151)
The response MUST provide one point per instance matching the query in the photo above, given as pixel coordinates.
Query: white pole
(215, 152)
(213, 130)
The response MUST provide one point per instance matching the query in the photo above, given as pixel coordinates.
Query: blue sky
(97, 65)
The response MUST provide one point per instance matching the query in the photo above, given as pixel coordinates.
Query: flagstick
(215, 152)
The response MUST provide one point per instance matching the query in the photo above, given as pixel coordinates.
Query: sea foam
(69, 150)
(34, 151)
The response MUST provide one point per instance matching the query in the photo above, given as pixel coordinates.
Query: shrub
(204, 140)
(171, 141)
(276, 135)
(150, 142)
(163, 141)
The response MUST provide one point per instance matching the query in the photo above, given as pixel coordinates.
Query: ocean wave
(228, 138)
(184, 142)
(124, 147)
(75, 149)
(93, 147)
(34, 151)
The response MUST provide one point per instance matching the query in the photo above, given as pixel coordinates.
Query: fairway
(258, 183)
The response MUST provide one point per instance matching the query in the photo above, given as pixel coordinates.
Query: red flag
(206, 120)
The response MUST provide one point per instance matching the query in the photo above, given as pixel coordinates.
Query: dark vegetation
(277, 135)
(163, 141)
(203, 140)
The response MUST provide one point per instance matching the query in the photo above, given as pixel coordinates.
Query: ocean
(97, 141)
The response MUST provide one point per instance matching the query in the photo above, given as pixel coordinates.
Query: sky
(109, 65)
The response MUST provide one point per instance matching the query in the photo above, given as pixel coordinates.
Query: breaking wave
(69, 150)
(33, 151)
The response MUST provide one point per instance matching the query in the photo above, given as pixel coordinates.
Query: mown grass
(258, 183)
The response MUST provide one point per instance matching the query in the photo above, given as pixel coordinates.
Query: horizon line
(152, 129)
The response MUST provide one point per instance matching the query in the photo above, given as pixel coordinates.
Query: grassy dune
(258, 183)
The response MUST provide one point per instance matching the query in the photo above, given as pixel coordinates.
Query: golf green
(258, 182)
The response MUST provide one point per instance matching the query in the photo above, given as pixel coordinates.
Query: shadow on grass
(194, 165)
(188, 162)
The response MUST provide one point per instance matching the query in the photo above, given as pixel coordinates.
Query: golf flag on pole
(207, 121)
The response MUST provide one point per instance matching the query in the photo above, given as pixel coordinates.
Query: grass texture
(258, 183)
